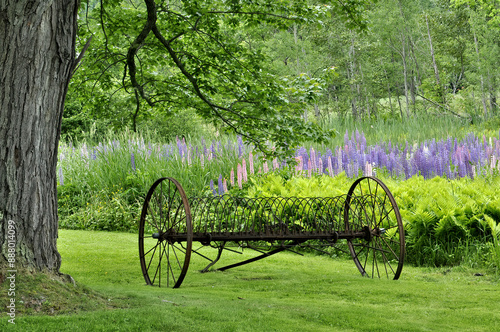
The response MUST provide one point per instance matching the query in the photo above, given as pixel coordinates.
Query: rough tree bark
(37, 57)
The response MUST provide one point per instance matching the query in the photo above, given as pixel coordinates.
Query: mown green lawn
(285, 292)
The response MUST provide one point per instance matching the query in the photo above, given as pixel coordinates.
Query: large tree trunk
(37, 39)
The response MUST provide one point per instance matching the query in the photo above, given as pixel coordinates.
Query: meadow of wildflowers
(102, 186)
(214, 167)
(222, 165)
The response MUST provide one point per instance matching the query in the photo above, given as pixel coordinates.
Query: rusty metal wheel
(165, 234)
(371, 209)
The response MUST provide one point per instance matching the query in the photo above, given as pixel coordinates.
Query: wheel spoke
(170, 270)
(150, 250)
(152, 217)
(153, 255)
(375, 264)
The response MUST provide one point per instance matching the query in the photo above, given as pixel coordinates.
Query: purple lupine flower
(212, 187)
(240, 147)
(339, 161)
(61, 178)
(179, 145)
(132, 160)
(363, 141)
(330, 167)
(358, 137)
(213, 151)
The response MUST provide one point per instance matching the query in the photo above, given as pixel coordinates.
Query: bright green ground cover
(285, 292)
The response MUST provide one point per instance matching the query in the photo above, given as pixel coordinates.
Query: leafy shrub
(102, 210)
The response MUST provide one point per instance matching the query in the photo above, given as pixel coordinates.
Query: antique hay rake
(365, 223)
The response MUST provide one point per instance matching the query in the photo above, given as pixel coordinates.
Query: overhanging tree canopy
(206, 66)
(174, 55)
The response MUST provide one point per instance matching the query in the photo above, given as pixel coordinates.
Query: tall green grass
(102, 185)
(414, 130)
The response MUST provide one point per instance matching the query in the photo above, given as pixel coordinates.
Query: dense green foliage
(149, 60)
(447, 222)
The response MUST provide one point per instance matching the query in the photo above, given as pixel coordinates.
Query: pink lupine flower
(368, 169)
(265, 167)
(320, 166)
(313, 158)
(300, 164)
(275, 164)
(239, 176)
(231, 177)
(309, 168)
(250, 161)
(244, 170)
(224, 185)
(330, 167)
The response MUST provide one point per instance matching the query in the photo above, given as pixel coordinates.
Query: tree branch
(441, 106)
(137, 44)
(80, 56)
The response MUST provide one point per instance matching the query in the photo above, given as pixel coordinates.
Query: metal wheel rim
(370, 205)
(166, 209)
